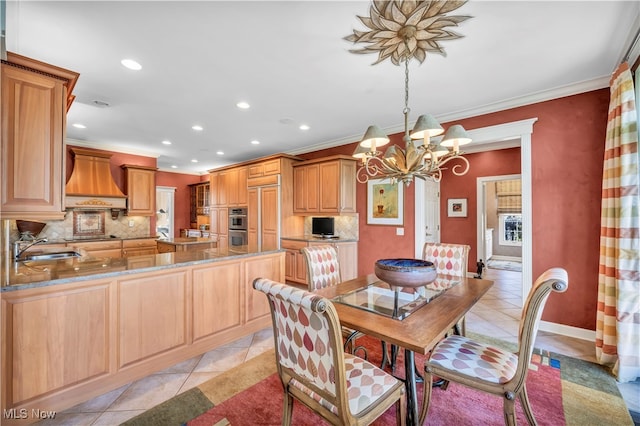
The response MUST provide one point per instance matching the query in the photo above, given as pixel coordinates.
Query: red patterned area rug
(562, 391)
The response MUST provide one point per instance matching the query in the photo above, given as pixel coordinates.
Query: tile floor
(496, 314)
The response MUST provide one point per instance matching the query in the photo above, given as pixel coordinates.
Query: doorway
(500, 222)
(165, 196)
(508, 135)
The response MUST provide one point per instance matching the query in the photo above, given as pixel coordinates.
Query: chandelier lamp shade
(401, 31)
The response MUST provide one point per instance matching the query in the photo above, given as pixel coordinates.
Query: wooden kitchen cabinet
(35, 99)
(99, 248)
(264, 168)
(139, 247)
(237, 187)
(217, 299)
(60, 337)
(147, 305)
(332, 192)
(200, 204)
(296, 269)
(140, 182)
(306, 197)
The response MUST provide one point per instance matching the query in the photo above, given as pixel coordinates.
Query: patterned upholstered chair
(344, 389)
(323, 266)
(323, 270)
(490, 369)
(451, 262)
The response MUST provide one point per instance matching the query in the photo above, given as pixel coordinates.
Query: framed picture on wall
(385, 202)
(457, 207)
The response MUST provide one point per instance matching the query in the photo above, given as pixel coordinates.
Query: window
(510, 229)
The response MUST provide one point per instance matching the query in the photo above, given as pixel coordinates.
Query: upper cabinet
(141, 190)
(35, 99)
(325, 186)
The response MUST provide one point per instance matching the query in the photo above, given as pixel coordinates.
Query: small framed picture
(457, 207)
(385, 202)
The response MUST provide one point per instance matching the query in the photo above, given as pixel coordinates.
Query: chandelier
(400, 31)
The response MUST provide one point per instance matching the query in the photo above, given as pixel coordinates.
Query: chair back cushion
(304, 341)
(449, 259)
(323, 267)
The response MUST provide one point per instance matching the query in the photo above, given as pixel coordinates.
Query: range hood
(91, 185)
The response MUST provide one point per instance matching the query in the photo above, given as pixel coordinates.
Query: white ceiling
(288, 59)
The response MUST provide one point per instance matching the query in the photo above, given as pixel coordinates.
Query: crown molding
(543, 96)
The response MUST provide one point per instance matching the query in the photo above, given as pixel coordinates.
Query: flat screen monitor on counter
(322, 227)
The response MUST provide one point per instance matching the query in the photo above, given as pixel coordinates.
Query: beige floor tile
(183, 367)
(100, 403)
(221, 359)
(149, 392)
(70, 419)
(196, 379)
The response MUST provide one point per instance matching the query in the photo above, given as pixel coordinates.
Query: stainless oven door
(237, 240)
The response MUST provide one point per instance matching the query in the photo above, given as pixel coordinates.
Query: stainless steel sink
(51, 256)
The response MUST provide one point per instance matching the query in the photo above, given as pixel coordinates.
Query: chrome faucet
(18, 248)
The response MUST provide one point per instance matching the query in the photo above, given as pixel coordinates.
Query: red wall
(179, 180)
(182, 201)
(463, 230)
(567, 155)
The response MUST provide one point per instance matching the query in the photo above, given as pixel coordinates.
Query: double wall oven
(238, 237)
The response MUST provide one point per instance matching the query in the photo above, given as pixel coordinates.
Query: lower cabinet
(64, 344)
(152, 316)
(60, 338)
(296, 267)
(138, 247)
(99, 248)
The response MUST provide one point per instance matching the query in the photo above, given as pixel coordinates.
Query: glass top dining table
(423, 322)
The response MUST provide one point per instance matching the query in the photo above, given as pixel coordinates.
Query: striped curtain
(618, 316)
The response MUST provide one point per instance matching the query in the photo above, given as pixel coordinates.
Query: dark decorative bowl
(28, 226)
(405, 272)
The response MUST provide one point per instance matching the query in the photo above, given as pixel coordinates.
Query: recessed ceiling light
(79, 126)
(173, 166)
(194, 161)
(255, 142)
(304, 127)
(220, 152)
(131, 64)
(166, 142)
(243, 105)
(197, 127)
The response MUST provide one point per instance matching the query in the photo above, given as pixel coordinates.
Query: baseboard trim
(569, 331)
(509, 258)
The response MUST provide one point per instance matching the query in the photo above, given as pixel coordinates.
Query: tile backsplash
(56, 230)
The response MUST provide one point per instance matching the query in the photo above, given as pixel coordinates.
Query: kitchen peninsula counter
(70, 338)
(186, 244)
(40, 273)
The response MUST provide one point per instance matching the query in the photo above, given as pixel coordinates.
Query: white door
(427, 214)
(431, 212)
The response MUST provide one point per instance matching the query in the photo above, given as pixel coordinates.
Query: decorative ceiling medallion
(401, 30)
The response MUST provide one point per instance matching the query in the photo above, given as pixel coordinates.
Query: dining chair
(451, 262)
(488, 368)
(323, 270)
(314, 369)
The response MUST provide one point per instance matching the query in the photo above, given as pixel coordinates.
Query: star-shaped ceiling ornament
(401, 30)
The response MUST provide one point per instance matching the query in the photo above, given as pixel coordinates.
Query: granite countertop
(94, 239)
(188, 240)
(41, 273)
(311, 238)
